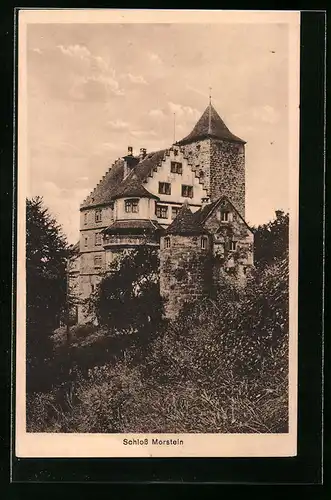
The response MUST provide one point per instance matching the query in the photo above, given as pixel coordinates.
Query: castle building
(188, 200)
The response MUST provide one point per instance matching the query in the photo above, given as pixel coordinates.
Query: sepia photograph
(158, 160)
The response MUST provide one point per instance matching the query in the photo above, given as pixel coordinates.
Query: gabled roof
(139, 226)
(185, 223)
(132, 187)
(203, 213)
(210, 125)
(102, 194)
(109, 184)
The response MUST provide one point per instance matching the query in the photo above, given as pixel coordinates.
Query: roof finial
(209, 124)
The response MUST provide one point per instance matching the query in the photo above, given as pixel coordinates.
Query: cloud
(184, 111)
(136, 79)
(79, 51)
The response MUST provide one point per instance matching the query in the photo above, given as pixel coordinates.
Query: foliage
(46, 254)
(221, 367)
(127, 300)
(271, 240)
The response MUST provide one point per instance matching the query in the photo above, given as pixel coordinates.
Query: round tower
(135, 221)
(185, 249)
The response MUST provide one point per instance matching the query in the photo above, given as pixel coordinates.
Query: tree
(128, 300)
(46, 257)
(271, 240)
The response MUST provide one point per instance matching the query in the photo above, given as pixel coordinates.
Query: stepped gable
(132, 187)
(144, 168)
(185, 223)
(138, 226)
(105, 188)
(210, 125)
(109, 184)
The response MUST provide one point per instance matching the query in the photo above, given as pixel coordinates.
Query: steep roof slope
(210, 125)
(185, 223)
(131, 186)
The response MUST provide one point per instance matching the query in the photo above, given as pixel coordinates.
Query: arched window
(167, 242)
(204, 242)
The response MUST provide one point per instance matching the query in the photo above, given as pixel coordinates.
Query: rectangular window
(224, 216)
(233, 245)
(164, 188)
(176, 167)
(85, 218)
(98, 215)
(162, 211)
(97, 261)
(187, 191)
(132, 206)
(85, 241)
(174, 212)
(167, 242)
(92, 287)
(98, 239)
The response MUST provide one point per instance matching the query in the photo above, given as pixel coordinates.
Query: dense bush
(222, 367)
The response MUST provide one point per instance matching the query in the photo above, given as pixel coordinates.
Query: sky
(95, 89)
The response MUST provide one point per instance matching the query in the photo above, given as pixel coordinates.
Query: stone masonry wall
(183, 272)
(198, 155)
(227, 173)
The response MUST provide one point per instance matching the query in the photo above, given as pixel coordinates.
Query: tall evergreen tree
(46, 258)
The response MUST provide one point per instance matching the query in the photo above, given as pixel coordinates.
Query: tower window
(187, 191)
(204, 243)
(85, 218)
(162, 211)
(92, 287)
(98, 215)
(174, 212)
(85, 241)
(233, 245)
(98, 239)
(167, 242)
(224, 216)
(164, 188)
(176, 167)
(97, 261)
(132, 206)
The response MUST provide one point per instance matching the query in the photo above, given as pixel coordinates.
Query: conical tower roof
(185, 223)
(132, 187)
(211, 125)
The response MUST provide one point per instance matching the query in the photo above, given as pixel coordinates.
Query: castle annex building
(188, 201)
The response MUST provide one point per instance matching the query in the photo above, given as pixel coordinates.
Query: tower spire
(209, 116)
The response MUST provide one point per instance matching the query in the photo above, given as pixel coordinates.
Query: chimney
(205, 201)
(143, 153)
(129, 161)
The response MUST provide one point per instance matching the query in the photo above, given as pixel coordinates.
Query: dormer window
(132, 206)
(164, 188)
(224, 216)
(176, 167)
(98, 215)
